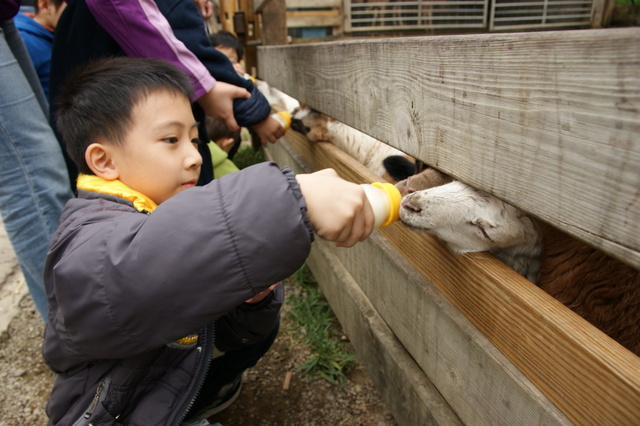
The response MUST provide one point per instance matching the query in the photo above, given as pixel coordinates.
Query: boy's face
(159, 157)
(230, 53)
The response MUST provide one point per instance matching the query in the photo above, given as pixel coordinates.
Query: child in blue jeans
(147, 275)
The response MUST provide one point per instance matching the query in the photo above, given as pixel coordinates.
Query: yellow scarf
(116, 188)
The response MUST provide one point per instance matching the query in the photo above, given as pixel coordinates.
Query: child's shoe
(198, 421)
(226, 396)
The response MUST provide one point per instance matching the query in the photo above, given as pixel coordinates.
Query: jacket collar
(118, 189)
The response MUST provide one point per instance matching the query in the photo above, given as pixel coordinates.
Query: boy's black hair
(226, 39)
(98, 99)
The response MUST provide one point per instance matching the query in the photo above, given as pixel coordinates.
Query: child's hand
(238, 67)
(225, 144)
(269, 130)
(338, 210)
(260, 296)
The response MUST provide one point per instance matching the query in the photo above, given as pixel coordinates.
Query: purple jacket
(142, 31)
(125, 286)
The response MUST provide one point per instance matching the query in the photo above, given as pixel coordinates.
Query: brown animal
(601, 289)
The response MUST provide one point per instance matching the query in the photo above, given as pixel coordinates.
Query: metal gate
(496, 15)
(525, 14)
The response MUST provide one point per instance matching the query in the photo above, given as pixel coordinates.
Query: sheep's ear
(398, 167)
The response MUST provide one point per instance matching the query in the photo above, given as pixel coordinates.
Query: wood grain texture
(588, 376)
(406, 389)
(313, 4)
(548, 121)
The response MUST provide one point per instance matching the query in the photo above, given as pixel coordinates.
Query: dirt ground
(265, 399)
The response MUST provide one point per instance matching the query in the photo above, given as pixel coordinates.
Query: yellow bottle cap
(394, 201)
(287, 119)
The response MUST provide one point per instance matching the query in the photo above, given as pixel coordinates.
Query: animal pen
(547, 121)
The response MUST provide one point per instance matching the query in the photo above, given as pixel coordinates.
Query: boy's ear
(43, 5)
(99, 158)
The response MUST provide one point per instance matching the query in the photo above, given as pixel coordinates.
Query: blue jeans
(34, 184)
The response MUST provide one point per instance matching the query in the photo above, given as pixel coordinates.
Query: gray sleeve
(131, 283)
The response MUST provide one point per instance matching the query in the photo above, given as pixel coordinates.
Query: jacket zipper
(101, 393)
(207, 348)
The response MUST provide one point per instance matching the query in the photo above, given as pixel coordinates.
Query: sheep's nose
(408, 205)
(298, 126)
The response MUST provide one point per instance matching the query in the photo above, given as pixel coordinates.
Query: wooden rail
(496, 347)
(546, 121)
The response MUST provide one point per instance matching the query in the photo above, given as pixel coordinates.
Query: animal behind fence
(384, 160)
(601, 289)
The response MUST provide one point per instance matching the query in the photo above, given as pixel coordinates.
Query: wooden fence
(547, 121)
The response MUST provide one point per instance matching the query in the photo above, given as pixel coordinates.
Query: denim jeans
(34, 184)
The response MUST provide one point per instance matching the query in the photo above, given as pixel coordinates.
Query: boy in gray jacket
(147, 274)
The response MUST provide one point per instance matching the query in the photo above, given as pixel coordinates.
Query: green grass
(247, 156)
(314, 323)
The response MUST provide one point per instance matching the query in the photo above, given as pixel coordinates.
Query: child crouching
(148, 274)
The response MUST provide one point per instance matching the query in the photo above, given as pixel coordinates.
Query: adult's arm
(187, 26)
(141, 30)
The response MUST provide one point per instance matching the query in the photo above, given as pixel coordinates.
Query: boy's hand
(260, 296)
(338, 210)
(226, 144)
(218, 102)
(269, 130)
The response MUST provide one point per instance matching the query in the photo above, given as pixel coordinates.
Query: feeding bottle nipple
(284, 118)
(385, 201)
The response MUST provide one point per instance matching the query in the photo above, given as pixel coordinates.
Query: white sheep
(601, 289)
(276, 98)
(470, 220)
(384, 160)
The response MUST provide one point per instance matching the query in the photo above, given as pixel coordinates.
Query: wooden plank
(313, 4)
(548, 121)
(258, 5)
(274, 23)
(313, 18)
(406, 389)
(588, 376)
(601, 13)
(227, 9)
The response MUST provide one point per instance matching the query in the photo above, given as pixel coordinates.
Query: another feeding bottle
(385, 201)
(284, 118)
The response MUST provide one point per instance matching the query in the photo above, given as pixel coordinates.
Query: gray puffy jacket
(125, 286)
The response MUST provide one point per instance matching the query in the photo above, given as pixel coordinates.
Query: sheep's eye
(482, 230)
